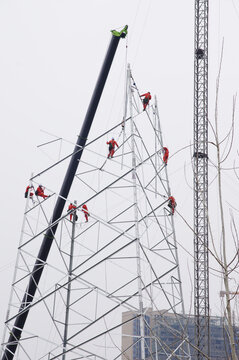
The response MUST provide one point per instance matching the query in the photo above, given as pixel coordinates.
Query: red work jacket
(147, 96)
(113, 143)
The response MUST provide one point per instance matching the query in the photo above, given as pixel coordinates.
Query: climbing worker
(166, 154)
(40, 192)
(27, 191)
(172, 204)
(85, 211)
(71, 207)
(111, 144)
(146, 99)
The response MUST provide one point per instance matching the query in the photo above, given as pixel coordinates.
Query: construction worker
(71, 207)
(111, 144)
(27, 191)
(172, 204)
(146, 99)
(85, 211)
(166, 154)
(40, 192)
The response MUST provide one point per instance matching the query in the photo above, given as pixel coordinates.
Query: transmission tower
(122, 261)
(201, 288)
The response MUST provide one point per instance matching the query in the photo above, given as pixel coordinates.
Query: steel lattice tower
(116, 272)
(201, 288)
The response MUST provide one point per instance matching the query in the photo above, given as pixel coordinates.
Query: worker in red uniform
(27, 191)
(146, 99)
(40, 192)
(71, 207)
(85, 211)
(172, 203)
(112, 144)
(166, 154)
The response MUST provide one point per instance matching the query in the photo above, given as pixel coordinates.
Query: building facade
(164, 332)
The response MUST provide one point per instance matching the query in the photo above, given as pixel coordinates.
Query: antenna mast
(201, 287)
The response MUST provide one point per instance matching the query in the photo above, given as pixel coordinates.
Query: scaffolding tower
(201, 287)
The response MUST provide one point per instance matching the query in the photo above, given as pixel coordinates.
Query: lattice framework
(201, 287)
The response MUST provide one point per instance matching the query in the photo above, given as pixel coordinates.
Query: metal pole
(69, 177)
(69, 284)
(125, 115)
(141, 309)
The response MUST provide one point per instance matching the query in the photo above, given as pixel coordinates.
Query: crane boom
(28, 297)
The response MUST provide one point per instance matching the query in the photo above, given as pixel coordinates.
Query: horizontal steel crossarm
(89, 199)
(77, 276)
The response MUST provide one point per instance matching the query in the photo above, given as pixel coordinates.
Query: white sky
(51, 54)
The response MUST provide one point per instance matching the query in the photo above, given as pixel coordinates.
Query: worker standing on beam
(40, 192)
(70, 208)
(166, 154)
(27, 191)
(86, 212)
(146, 99)
(112, 143)
(172, 204)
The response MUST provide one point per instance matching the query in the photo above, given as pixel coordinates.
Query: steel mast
(201, 286)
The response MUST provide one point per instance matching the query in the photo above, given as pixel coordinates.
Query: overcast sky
(51, 54)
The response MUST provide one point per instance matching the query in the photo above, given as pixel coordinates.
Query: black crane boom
(28, 297)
